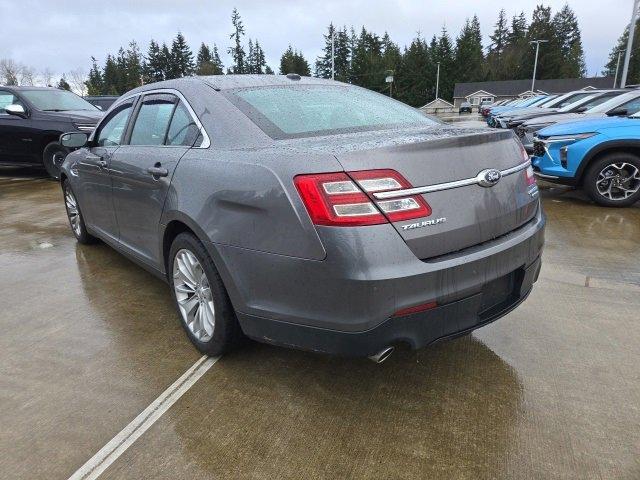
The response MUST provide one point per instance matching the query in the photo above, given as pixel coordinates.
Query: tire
(74, 215)
(52, 157)
(196, 292)
(614, 180)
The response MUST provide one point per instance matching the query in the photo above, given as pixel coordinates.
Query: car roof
(25, 88)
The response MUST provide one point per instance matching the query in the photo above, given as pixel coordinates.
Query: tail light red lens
(531, 179)
(418, 308)
(345, 199)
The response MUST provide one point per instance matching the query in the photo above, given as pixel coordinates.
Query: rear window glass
(300, 111)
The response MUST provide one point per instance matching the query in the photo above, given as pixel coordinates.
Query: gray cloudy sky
(63, 34)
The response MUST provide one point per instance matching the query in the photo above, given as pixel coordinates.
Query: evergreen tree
(208, 61)
(268, 70)
(516, 49)
(63, 84)
(342, 55)
(469, 59)
(166, 62)
(155, 65)
(110, 77)
(444, 54)
(133, 67)
(568, 32)
(94, 82)
(293, 61)
(182, 64)
(259, 59)
(495, 56)
(550, 60)
(367, 69)
(633, 75)
(391, 59)
(237, 51)
(415, 76)
(251, 58)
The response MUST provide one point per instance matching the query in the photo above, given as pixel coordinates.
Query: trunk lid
(461, 217)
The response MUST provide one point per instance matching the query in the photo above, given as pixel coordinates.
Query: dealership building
(477, 92)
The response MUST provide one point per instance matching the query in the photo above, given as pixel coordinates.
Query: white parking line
(123, 440)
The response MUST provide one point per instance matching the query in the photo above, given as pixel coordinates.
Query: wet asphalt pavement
(89, 340)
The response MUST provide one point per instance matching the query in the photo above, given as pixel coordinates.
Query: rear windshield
(307, 110)
(57, 100)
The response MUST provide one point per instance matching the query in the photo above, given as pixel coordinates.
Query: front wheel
(52, 158)
(206, 312)
(614, 180)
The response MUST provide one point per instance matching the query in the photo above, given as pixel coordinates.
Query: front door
(142, 171)
(16, 133)
(95, 195)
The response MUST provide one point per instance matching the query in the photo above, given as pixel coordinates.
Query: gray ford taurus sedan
(308, 213)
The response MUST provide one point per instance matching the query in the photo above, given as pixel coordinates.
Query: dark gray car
(309, 213)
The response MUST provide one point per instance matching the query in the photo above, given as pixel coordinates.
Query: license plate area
(500, 293)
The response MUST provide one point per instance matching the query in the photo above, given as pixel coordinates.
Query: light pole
(437, 80)
(333, 53)
(535, 63)
(615, 79)
(627, 54)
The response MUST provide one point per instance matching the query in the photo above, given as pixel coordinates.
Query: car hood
(563, 117)
(527, 111)
(587, 126)
(87, 116)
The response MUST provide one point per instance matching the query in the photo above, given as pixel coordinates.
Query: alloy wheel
(618, 181)
(193, 294)
(73, 212)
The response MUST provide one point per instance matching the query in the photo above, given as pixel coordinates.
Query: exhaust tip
(382, 355)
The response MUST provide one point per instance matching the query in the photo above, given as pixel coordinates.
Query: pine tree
(237, 51)
(63, 84)
(415, 77)
(568, 32)
(218, 67)
(94, 82)
(516, 48)
(469, 59)
(367, 68)
(495, 55)
(550, 60)
(133, 67)
(342, 55)
(155, 65)
(259, 60)
(251, 58)
(633, 75)
(444, 54)
(181, 58)
(166, 63)
(110, 77)
(293, 61)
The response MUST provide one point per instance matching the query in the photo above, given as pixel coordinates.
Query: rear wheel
(76, 221)
(52, 158)
(206, 312)
(614, 180)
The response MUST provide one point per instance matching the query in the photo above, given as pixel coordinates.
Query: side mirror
(73, 139)
(582, 110)
(618, 112)
(16, 109)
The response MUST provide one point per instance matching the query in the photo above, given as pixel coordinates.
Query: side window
(6, 99)
(152, 122)
(183, 130)
(112, 131)
(632, 106)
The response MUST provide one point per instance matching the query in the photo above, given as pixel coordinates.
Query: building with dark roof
(477, 92)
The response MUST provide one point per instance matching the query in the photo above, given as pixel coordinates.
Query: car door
(95, 185)
(16, 135)
(162, 132)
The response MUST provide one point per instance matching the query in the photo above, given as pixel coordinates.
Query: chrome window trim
(206, 142)
(445, 186)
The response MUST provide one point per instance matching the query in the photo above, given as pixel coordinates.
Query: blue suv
(600, 155)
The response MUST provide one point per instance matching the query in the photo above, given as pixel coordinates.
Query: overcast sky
(62, 35)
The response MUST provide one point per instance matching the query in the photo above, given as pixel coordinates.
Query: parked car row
(589, 139)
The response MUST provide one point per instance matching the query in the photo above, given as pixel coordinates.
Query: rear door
(161, 133)
(16, 133)
(463, 214)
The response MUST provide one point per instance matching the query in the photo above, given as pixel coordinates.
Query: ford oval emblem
(489, 177)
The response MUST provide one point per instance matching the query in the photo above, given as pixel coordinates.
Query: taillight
(531, 179)
(523, 151)
(345, 199)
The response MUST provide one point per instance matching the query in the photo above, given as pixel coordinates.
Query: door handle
(157, 172)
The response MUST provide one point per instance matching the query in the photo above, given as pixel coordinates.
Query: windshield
(612, 103)
(56, 100)
(589, 101)
(306, 110)
(572, 99)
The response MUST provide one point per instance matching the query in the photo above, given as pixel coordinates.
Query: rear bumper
(416, 330)
(345, 303)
